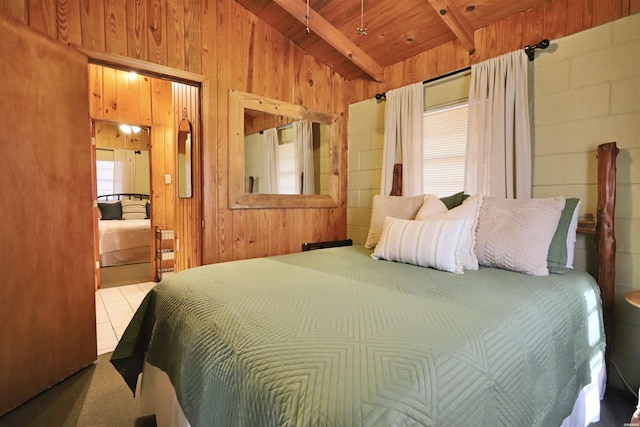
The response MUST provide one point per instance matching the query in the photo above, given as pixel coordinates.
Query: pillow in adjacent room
(147, 209)
(134, 209)
(394, 206)
(423, 243)
(110, 211)
(563, 238)
(434, 209)
(515, 234)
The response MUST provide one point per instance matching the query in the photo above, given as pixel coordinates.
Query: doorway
(130, 94)
(123, 189)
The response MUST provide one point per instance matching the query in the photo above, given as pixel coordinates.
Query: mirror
(184, 158)
(280, 154)
(284, 172)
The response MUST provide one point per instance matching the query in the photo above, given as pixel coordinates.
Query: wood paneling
(186, 103)
(121, 97)
(232, 48)
(108, 135)
(551, 19)
(162, 160)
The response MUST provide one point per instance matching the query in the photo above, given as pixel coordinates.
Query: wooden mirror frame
(238, 199)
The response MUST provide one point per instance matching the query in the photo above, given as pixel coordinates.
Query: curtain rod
(382, 95)
(281, 127)
(529, 50)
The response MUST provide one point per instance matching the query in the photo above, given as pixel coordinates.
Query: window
(286, 166)
(445, 142)
(105, 170)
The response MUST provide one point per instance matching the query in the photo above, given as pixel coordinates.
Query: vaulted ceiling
(395, 29)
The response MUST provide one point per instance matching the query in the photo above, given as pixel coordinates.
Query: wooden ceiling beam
(456, 22)
(331, 35)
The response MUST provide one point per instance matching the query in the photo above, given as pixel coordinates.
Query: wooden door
(47, 297)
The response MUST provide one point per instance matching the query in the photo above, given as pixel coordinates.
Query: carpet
(96, 396)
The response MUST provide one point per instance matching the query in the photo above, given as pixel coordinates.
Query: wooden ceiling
(396, 29)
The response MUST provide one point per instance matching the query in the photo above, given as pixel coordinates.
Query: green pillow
(454, 200)
(557, 256)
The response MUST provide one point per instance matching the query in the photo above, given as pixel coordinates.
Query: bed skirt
(158, 397)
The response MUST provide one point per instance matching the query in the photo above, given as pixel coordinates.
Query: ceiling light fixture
(362, 30)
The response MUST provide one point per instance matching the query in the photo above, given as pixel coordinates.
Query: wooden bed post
(605, 236)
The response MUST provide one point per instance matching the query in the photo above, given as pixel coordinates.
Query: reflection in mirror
(185, 144)
(281, 155)
(289, 159)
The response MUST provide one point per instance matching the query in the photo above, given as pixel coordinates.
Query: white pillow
(431, 205)
(424, 243)
(394, 206)
(434, 209)
(134, 209)
(515, 234)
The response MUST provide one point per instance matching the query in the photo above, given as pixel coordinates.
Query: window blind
(445, 141)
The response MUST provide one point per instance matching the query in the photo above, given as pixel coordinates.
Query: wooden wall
(121, 97)
(188, 248)
(108, 135)
(551, 20)
(233, 49)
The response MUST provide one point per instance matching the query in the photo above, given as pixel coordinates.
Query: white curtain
(124, 171)
(499, 136)
(403, 139)
(271, 144)
(303, 147)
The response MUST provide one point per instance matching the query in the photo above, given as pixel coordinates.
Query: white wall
(586, 92)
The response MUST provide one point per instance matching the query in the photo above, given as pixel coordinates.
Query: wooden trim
(122, 62)
(333, 37)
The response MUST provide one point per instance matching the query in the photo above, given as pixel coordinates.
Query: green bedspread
(334, 338)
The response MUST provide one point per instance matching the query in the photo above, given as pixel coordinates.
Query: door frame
(167, 73)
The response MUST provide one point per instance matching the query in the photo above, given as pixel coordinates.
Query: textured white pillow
(431, 205)
(134, 209)
(469, 209)
(424, 243)
(393, 206)
(515, 234)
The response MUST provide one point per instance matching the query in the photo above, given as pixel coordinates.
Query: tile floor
(114, 310)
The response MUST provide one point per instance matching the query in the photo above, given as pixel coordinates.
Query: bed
(124, 235)
(335, 337)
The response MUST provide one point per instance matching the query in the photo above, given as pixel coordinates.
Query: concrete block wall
(586, 91)
(366, 139)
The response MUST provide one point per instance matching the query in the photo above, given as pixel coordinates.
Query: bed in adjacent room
(471, 328)
(124, 229)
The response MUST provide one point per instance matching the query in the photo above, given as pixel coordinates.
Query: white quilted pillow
(515, 234)
(424, 243)
(393, 206)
